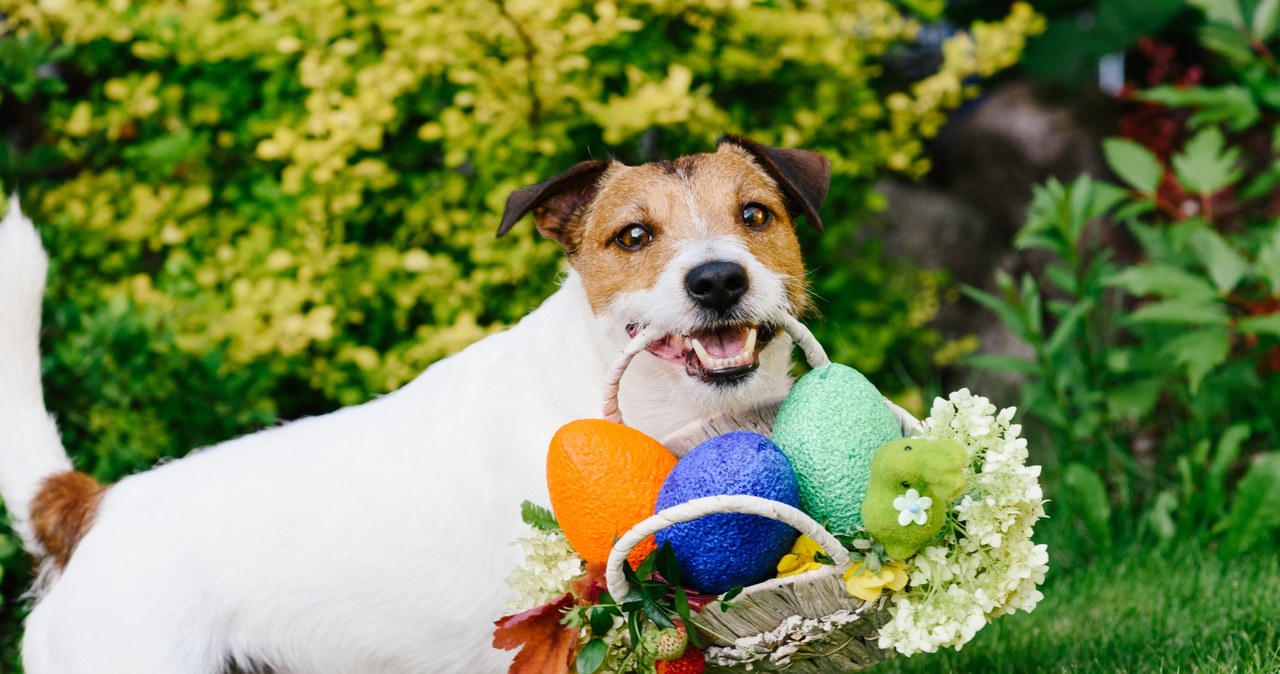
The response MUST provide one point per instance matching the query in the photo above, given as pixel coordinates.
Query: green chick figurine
(913, 482)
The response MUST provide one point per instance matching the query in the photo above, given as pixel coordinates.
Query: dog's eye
(633, 237)
(756, 216)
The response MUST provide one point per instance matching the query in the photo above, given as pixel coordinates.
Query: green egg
(829, 427)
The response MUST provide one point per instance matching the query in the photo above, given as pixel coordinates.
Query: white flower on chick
(912, 507)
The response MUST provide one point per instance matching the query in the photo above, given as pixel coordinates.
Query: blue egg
(720, 552)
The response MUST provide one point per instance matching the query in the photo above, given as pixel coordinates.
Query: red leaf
(698, 601)
(589, 587)
(545, 645)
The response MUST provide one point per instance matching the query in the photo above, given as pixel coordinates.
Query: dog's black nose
(717, 285)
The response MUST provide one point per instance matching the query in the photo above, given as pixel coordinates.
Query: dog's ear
(555, 202)
(803, 175)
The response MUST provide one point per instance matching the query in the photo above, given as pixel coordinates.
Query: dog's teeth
(744, 357)
(702, 352)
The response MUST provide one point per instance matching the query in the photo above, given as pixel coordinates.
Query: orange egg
(604, 478)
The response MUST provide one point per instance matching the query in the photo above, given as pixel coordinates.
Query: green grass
(1186, 611)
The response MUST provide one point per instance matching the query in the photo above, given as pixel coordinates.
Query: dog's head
(701, 249)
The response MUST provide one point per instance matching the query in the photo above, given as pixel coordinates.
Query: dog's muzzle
(716, 355)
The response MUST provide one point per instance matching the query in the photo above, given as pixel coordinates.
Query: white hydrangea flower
(991, 567)
(548, 569)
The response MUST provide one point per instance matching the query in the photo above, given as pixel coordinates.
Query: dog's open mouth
(716, 355)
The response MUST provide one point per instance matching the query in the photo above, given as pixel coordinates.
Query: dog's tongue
(723, 343)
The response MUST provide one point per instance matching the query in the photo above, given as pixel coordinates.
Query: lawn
(1185, 611)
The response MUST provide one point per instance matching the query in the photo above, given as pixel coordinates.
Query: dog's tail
(50, 505)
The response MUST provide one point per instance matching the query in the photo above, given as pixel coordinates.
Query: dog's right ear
(555, 202)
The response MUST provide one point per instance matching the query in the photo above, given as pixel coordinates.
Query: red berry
(692, 662)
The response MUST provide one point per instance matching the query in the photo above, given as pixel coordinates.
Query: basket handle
(713, 505)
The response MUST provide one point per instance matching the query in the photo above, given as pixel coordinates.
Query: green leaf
(668, 565)
(1087, 496)
(1225, 266)
(1134, 164)
(1156, 241)
(601, 619)
(731, 594)
(1198, 352)
(1268, 324)
(1261, 185)
(1221, 11)
(634, 581)
(1264, 19)
(1134, 210)
(653, 590)
(1161, 279)
(1007, 313)
(1032, 313)
(1180, 311)
(1160, 515)
(647, 566)
(633, 626)
(1030, 240)
(1231, 104)
(591, 656)
(1268, 263)
(538, 517)
(1133, 401)
(1255, 512)
(1228, 451)
(1205, 165)
(1003, 364)
(682, 606)
(1066, 327)
(1061, 277)
(657, 614)
(1263, 84)
(1227, 42)
(682, 610)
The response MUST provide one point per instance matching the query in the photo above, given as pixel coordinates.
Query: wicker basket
(815, 604)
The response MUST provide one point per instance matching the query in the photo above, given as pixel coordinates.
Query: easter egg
(604, 479)
(723, 551)
(829, 427)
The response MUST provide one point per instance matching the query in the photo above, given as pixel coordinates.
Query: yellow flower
(800, 559)
(867, 585)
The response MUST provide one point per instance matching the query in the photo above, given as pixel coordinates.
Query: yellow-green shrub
(271, 208)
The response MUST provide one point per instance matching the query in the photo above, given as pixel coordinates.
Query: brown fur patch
(63, 511)
(695, 197)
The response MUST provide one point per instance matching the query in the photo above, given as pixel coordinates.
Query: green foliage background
(1152, 376)
(263, 210)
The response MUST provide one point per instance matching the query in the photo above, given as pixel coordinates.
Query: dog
(377, 538)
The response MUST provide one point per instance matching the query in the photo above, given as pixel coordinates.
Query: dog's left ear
(555, 202)
(803, 175)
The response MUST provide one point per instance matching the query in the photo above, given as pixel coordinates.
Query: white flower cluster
(991, 567)
(549, 566)
(783, 642)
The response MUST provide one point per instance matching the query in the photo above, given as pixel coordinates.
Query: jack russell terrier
(377, 538)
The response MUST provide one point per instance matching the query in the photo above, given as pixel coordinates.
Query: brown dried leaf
(546, 646)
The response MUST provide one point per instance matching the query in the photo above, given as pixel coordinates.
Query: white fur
(373, 539)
